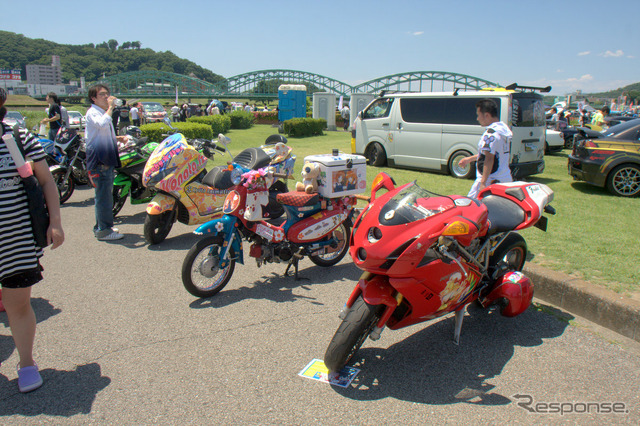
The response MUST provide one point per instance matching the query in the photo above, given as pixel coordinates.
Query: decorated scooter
(316, 226)
(427, 255)
(185, 191)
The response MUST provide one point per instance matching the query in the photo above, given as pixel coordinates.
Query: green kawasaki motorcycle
(128, 181)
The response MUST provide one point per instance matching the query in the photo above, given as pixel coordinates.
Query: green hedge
(241, 119)
(266, 117)
(303, 127)
(218, 123)
(154, 131)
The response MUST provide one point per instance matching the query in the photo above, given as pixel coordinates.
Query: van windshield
(379, 108)
(528, 110)
(154, 107)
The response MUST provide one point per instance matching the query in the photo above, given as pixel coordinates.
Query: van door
(417, 132)
(373, 127)
(528, 127)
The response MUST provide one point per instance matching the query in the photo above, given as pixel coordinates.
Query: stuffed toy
(310, 175)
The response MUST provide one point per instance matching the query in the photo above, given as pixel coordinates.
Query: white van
(433, 131)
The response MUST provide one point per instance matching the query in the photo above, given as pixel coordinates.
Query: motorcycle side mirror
(167, 121)
(383, 180)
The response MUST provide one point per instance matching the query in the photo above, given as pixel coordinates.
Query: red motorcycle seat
(504, 215)
(298, 199)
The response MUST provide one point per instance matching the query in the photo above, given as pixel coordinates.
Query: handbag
(35, 197)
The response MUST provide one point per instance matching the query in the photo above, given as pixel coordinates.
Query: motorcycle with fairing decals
(187, 192)
(314, 226)
(426, 255)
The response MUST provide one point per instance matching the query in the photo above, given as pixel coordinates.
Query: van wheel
(375, 155)
(458, 171)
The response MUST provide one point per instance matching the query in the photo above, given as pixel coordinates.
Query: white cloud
(417, 33)
(559, 70)
(610, 54)
(584, 53)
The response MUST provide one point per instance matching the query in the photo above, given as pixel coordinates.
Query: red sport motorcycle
(426, 255)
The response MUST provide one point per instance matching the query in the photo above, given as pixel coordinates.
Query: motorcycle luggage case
(340, 174)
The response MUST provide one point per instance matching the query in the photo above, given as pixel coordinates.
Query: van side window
(421, 110)
(378, 109)
(460, 110)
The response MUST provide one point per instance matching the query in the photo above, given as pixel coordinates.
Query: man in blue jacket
(102, 159)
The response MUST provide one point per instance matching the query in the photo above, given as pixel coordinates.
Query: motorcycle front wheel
(119, 198)
(355, 328)
(201, 274)
(64, 183)
(333, 255)
(158, 226)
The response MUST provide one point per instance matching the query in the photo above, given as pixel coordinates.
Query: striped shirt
(18, 251)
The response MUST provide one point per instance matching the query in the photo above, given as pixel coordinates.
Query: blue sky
(587, 45)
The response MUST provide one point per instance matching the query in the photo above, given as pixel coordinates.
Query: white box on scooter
(340, 174)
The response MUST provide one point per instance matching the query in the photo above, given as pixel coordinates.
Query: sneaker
(29, 378)
(114, 235)
(96, 232)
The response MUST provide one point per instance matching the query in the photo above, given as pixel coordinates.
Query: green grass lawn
(594, 235)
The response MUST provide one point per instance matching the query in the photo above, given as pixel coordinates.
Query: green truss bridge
(265, 83)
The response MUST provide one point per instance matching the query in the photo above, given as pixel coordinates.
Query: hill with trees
(632, 91)
(92, 61)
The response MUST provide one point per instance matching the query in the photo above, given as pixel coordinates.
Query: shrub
(303, 127)
(218, 123)
(241, 119)
(266, 117)
(154, 131)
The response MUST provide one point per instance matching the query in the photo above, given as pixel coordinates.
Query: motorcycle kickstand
(459, 316)
(294, 261)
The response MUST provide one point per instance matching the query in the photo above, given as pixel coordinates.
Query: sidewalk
(599, 305)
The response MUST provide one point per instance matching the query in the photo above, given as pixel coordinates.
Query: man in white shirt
(135, 117)
(102, 159)
(492, 160)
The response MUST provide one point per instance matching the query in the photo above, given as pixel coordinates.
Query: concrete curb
(599, 305)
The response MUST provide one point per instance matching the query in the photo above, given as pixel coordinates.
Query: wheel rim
(457, 169)
(373, 155)
(514, 258)
(206, 274)
(626, 181)
(330, 253)
(62, 184)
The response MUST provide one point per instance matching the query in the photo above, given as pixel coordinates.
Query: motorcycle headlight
(374, 235)
(236, 176)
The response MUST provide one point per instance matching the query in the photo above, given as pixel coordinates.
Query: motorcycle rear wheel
(119, 198)
(510, 255)
(200, 273)
(158, 226)
(65, 186)
(355, 328)
(342, 233)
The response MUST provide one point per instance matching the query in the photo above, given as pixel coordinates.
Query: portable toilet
(324, 106)
(359, 102)
(292, 101)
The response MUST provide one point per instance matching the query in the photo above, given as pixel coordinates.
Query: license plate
(529, 147)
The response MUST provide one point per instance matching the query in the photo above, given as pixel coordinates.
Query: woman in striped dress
(19, 256)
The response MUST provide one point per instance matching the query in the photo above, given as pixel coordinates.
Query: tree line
(92, 61)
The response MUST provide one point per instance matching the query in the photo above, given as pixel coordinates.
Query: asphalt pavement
(120, 341)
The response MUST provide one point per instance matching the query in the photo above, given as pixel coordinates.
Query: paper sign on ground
(316, 370)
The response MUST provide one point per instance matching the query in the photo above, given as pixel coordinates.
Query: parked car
(76, 120)
(611, 161)
(14, 117)
(153, 112)
(554, 141)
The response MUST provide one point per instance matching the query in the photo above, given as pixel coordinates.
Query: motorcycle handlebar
(219, 148)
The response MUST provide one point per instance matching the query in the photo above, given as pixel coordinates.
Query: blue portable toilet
(292, 101)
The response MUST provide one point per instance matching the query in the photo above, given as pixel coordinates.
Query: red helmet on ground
(513, 291)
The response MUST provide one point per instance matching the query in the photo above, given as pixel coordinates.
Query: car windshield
(620, 130)
(74, 114)
(153, 107)
(411, 204)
